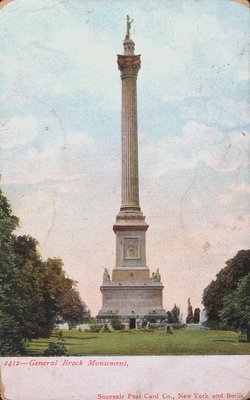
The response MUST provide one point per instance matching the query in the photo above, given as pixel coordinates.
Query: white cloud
(224, 199)
(196, 203)
(179, 55)
(59, 159)
(197, 143)
(220, 110)
(232, 233)
(18, 131)
(192, 55)
(89, 64)
(241, 187)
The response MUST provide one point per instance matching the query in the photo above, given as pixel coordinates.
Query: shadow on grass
(225, 340)
(39, 342)
(79, 338)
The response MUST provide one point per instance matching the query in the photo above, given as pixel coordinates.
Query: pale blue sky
(60, 133)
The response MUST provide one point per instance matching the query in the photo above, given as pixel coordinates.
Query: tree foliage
(235, 313)
(55, 349)
(173, 316)
(29, 292)
(225, 283)
(33, 292)
(197, 315)
(62, 296)
(11, 340)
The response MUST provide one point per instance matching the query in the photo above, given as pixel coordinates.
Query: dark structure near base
(131, 293)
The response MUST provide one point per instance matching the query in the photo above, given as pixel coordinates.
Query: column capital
(128, 61)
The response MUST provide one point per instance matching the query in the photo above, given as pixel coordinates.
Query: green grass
(182, 342)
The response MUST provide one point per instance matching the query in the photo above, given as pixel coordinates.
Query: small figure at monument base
(106, 276)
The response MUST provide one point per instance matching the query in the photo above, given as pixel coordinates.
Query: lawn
(182, 342)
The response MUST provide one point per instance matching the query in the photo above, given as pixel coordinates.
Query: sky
(60, 99)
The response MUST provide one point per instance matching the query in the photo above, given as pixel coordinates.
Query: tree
(29, 288)
(197, 315)
(225, 283)
(62, 298)
(61, 292)
(11, 339)
(33, 292)
(235, 313)
(173, 316)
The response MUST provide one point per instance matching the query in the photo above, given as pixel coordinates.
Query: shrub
(55, 349)
(242, 338)
(117, 324)
(157, 325)
(151, 319)
(60, 336)
(169, 329)
(178, 325)
(106, 329)
(213, 325)
(95, 328)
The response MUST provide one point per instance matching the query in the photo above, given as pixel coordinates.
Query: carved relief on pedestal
(131, 248)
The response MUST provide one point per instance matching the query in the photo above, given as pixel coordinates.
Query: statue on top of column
(129, 22)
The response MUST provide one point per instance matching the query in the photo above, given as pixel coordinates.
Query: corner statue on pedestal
(156, 277)
(106, 276)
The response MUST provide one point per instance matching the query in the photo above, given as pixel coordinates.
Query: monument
(131, 293)
(190, 315)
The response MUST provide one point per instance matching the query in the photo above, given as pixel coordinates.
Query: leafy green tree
(33, 292)
(29, 290)
(235, 313)
(225, 283)
(196, 315)
(11, 339)
(173, 316)
(61, 295)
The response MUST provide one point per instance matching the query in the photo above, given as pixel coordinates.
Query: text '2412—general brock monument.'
(131, 294)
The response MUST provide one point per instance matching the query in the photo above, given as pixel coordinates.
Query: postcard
(124, 200)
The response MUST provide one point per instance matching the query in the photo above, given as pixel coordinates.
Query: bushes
(55, 349)
(95, 328)
(173, 316)
(156, 325)
(117, 324)
(106, 329)
(178, 325)
(162, 325)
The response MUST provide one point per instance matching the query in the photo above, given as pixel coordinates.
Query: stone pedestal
(128, 300)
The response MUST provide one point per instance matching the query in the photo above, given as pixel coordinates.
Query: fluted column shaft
(129, 67)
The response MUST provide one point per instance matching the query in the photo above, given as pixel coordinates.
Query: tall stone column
(130, 226)
(129, 66)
